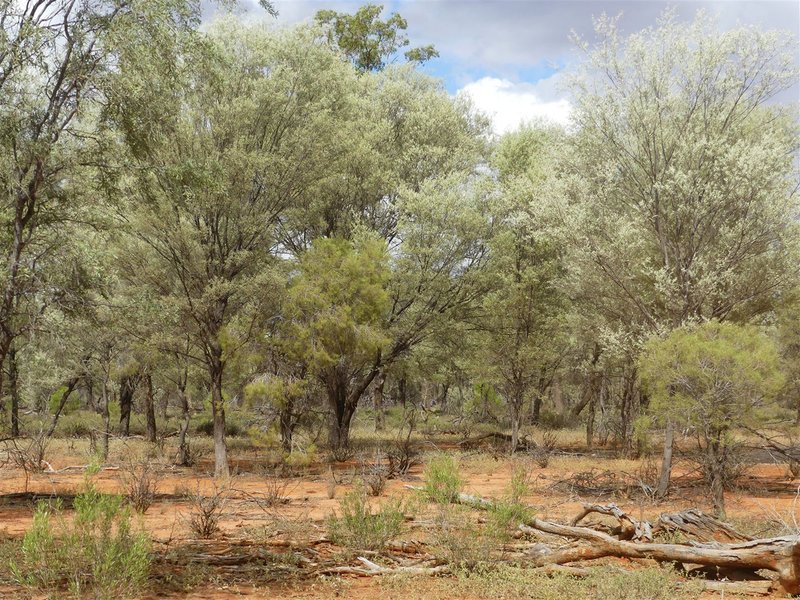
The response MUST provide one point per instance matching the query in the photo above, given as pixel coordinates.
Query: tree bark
(215, 368)
(13, 389)
(377, 402)
(666, 461)
(106, 420)
(127, 387)
(64, 397)
(183, 445)
(287, 424)
(149, 408)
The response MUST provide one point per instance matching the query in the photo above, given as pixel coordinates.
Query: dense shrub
(442, 481)
(97, 551)
(358, 527)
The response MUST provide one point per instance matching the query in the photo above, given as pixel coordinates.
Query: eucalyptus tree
(222, 143)
(681, 173)
(523, 316)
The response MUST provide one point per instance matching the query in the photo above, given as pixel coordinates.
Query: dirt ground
(765, 499)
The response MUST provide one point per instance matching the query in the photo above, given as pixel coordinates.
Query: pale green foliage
(98, 551)
(442, 480)
(680, 175)
(360, 527)
(523, 315)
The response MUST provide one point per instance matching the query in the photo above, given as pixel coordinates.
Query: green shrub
(358, 527)
(442, 481)
(80, 423)
(97, 551)
(507, 514)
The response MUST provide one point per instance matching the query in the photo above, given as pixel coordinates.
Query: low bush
(359, 527)
(139, 479)
(98, 551)
(442, 480)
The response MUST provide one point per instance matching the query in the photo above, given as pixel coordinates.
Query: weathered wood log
(370, 569)
(630, 528)
(699, 525)
(779, 554)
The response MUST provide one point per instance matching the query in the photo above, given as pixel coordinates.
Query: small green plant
(359, 527)
(460, 541)
(506, 515)
(442, 481)
(97, 551)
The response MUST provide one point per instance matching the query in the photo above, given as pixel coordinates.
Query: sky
(510, 55)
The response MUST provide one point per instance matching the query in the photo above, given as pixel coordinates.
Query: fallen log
(779, 554)
(699, 525)
(630, 528)
(370, 569)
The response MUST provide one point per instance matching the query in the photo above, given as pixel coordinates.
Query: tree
(713, 378)
(334, 321)
(367, 41)
(221, 144)
(523, 315)
(681, 177)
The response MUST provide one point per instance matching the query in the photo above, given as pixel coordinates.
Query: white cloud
(510, 104)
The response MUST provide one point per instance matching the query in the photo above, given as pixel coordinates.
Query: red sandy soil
(767, 494)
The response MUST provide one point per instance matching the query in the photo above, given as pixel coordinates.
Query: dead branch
(695, 523)
(370, 569)
(780, 554)
(629, 528)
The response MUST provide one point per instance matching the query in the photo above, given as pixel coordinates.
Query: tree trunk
(377, 403)
(106, 421)
(666, 461)
(716, 472)
(13, 389)
(341, 411)
(149, 408)
(516, 417)
(127, 387)
(215, 368)
(183, 445)
(781, 554)
(287, 425)
(65, 396)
